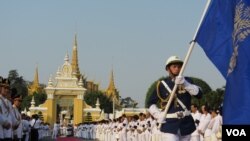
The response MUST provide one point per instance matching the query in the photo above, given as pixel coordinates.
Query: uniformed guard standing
(17, 118)
(178, 124)
(6, 108)
(3, 121)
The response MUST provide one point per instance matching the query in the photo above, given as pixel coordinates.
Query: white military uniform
(17, 122)
(204, 121)
(8, 133)
(56, 129)
(3, 116)
(212, 129)
(195, 136)
(26, 129)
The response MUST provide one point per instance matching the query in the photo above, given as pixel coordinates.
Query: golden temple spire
(111, 86)
(74, 63)
(111, 90)
(35, 87)
(36, 79)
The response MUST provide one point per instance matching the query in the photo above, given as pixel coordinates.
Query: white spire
(50, 83)
(80, 83)
(97, 105)
(32, 102)
(66, 58)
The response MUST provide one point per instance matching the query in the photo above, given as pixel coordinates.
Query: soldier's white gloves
(179, 80)
(192, 89)
(162, 118)
(156, 113)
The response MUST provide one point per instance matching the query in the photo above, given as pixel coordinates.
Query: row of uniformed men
(136, 128)
(13, 125)
(144, 128)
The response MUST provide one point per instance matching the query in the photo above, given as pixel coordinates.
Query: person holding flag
(177, 124)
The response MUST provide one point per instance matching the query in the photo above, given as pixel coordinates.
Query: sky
(132, 37)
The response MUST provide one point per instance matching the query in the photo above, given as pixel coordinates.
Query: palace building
(65, 93)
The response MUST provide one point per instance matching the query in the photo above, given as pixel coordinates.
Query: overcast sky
(134, 36)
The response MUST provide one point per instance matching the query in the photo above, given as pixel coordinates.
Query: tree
(26, 102)
(18, 83)
(128, 102)
(105, 102)
(40, 98)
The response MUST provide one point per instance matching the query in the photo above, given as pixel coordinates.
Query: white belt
(180, 114)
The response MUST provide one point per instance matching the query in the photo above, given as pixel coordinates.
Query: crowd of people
(169, 117)
(15, 126)
(144, 127)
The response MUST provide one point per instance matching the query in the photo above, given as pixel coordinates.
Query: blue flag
(224, 36)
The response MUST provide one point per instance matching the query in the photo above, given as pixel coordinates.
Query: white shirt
(204, 121)
(196, 116)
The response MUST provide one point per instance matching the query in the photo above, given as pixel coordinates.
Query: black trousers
(34, 134)
(16, 139)
(7, 139)
(23, 138)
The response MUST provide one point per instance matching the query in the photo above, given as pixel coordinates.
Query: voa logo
(236, 132)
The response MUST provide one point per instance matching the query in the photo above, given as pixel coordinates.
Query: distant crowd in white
(143, 127)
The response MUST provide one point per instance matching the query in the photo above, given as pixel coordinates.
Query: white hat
(173, 59)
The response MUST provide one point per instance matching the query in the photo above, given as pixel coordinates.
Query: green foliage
(18, 82)
(26, 102)
(128, 102)
(40, 98)
(105, 102)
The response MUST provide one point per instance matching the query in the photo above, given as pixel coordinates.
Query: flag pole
(191, 46)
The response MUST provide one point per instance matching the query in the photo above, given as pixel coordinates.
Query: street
(65, 139)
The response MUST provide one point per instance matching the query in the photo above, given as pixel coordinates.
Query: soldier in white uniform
(56, 129)
(177, 123)
(204, 121)
(195, 136)
(3, 121)
(17, 118)
(213, 127)
(35, 125)
(6, 108)
(26, 127)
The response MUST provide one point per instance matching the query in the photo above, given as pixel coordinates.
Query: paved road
(65, 139)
